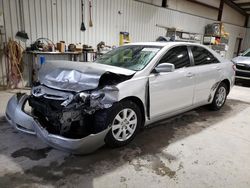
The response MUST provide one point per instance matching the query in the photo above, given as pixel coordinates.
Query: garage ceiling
(243, 4)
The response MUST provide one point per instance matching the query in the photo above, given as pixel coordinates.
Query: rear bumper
(28, 124)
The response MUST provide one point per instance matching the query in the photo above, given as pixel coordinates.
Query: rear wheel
(125, 119)
(219, 97)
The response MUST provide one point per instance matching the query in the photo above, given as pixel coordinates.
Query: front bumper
(26, 123)
(242, 74)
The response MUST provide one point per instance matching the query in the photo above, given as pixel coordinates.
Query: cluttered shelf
(217, 38)
(179, 35)
(51, 53)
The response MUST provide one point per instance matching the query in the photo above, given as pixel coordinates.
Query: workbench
(31, 61)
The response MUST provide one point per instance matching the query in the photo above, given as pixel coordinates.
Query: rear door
(208, 71)
(172, 91)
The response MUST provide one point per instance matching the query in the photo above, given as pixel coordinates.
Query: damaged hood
(79, 76)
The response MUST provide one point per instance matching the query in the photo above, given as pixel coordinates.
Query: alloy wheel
(124, 124)
(221, 96)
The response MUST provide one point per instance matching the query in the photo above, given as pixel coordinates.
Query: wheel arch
(139, 103)
(227, 82)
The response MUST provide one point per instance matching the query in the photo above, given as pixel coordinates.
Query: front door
(172, 91)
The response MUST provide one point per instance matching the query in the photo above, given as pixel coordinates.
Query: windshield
(133, 57)
(246, 53)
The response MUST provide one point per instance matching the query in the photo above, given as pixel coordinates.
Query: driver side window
(177, 56)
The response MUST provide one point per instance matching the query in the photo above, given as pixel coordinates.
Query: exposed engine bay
(70, 114)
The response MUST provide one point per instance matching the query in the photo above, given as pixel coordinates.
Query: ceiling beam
(242, 4)
(230, 3)
(220, 10)
(164, 3)
(246, 21)
(235, 6)
(246, 9)
(203, 4)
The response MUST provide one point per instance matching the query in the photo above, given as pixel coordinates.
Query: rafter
(242, 4)
(235, 6)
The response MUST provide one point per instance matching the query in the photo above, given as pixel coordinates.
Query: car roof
(170, 44)
(163, 44)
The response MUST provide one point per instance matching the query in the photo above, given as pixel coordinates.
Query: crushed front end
(64, 104)
(62, 119)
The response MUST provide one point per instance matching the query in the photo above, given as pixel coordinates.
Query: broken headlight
(96, 96)
(37, 91)
(84, 96)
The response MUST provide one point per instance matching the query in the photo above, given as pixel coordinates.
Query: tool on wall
(22, 35)
(83, 28)
(90, 14)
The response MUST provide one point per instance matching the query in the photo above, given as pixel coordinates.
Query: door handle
(190, 74)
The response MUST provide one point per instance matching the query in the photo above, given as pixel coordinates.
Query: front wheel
(219, 97)
(125, 119)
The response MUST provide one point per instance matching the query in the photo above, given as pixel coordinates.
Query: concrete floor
(200, 148)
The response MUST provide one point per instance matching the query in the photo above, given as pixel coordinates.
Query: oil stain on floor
(32, 154)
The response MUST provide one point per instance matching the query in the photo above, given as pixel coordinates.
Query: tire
(220, 97)
(123, 131)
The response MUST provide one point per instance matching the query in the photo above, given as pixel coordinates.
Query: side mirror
(165, 67)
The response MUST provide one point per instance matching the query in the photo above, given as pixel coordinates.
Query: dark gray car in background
(242, 63)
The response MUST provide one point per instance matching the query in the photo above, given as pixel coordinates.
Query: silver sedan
(78, 107)
(242, 63)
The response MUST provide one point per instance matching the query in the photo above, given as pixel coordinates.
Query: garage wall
(190, 7)
(234, 33)
(2, 39)
(246, 42)
(232, 16)
(60, 20)
(194, 8)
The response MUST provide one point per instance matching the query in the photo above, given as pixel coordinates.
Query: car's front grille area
(243, 74)
(243, 67)
(45, 106)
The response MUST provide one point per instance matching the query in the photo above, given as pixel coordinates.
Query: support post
(246, 21)
(220, 10)
(164, 3)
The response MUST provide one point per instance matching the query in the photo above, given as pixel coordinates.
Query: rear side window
(177, 56)
(203, 56)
